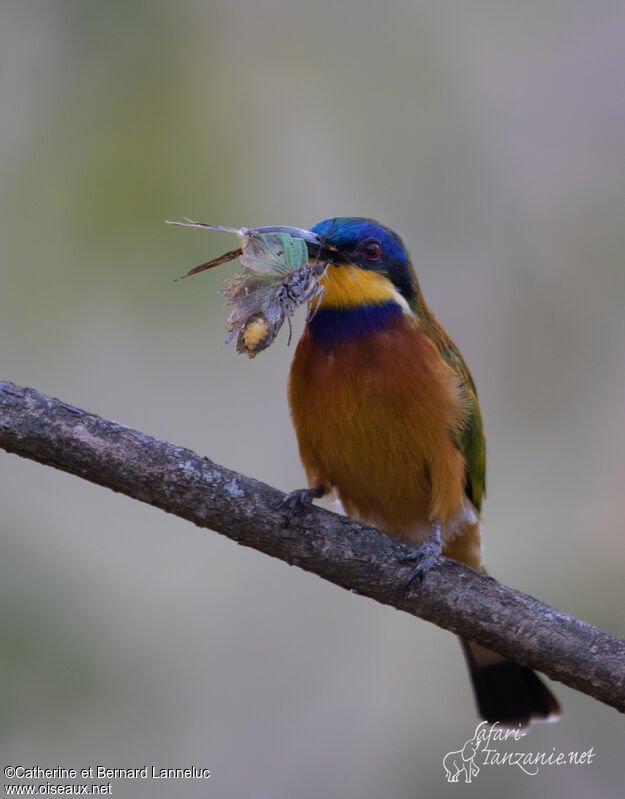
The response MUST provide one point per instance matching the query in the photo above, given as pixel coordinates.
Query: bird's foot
(295, 502)
(425, 558)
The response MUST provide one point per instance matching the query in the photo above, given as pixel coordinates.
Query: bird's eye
(371, 249)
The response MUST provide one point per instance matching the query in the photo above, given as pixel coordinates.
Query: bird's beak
(317, 247)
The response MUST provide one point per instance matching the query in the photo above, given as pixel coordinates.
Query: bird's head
(369, 283)
(364, 244)
(368, 265)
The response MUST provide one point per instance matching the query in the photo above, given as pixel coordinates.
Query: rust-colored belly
(374, 418)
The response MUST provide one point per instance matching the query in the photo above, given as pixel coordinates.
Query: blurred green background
(492, 137)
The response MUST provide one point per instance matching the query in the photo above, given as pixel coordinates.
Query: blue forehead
(345, 232)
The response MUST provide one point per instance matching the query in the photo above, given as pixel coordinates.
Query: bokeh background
(492, 136)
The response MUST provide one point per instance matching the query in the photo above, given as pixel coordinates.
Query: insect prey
(277, 278)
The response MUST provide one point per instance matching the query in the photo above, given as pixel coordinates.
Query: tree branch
(349, 554)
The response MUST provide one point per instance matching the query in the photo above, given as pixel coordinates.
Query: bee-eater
(387, 418)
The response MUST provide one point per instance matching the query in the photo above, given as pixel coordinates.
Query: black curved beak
(317, 247)
(318, 250)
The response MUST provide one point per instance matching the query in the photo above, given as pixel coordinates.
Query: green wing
(473, 448)
(470, 439)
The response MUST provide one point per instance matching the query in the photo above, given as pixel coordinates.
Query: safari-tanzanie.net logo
(490, 746)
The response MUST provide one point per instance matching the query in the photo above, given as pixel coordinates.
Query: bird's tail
(507, 692)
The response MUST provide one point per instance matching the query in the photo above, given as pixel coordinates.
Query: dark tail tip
(507, 692)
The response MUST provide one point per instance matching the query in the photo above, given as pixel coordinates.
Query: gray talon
(429, 550)
(295, 502)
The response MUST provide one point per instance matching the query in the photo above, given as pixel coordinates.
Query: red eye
(371, 249)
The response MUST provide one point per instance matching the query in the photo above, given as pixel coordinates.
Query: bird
(387, 419)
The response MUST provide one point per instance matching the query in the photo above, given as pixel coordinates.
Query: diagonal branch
(349, 554)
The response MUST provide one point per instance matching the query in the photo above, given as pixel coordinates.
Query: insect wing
(272, 253)
(251, 294)
(202, 225)
(295, 250)
(243, 285)
(221, 259)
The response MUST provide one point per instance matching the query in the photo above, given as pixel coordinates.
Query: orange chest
(390, 383)
(373, 413)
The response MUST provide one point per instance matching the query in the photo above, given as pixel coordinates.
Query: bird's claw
(295, 502)
(426, 556)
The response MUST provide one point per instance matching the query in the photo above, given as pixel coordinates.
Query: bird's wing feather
(470, 439)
